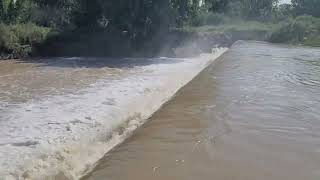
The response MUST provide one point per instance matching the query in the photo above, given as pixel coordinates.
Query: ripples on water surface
(254, 115)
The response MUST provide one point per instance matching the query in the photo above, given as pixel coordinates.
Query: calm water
(253, 115)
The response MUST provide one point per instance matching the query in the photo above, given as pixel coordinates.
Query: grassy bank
(302, 30)
(237, 30)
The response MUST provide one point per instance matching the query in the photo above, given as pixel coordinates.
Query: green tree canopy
(258, 9)
(217, 5)
(309, 7)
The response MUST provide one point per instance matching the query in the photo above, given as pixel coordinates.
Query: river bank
(86, 42)
(104, 43)
(76, 109)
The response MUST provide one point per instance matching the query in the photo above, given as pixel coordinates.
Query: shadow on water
(79, 62)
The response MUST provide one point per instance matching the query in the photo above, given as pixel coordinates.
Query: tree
(309, 7)
(88, 12)
(2, 11)
(58, 14)
(182, 10)
(11, 14)
(258, 9)
(217, 5)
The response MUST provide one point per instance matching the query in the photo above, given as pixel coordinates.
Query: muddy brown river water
(252, 115)
(59, 116)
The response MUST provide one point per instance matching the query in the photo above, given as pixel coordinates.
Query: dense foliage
(303, 29)
(18, 40)
(261, 9)
(136, 20)
(139, 17)
(304, 7)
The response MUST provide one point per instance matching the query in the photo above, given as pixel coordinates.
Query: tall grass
(17, 41)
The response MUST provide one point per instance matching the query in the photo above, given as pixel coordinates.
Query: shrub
(208, 18)
(7, 38)
(198, 20)
(18, 40)
(298, 30)
(312, 41)
(215, 19)
(29, 34)
(290, 32)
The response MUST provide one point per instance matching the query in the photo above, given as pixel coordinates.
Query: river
(254, 114)
(59, 116)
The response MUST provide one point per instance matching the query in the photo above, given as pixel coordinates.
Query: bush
(215, 19)
(291, 32)
(7, 38)
(208, 19)
(198, 20)
(312, 41)
(29, 34)
(18, 40)
(299, 30)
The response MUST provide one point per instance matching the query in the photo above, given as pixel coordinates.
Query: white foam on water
(65, 136)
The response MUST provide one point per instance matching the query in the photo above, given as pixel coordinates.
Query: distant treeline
(25, 24)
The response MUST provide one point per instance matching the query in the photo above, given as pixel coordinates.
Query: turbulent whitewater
(58, 117)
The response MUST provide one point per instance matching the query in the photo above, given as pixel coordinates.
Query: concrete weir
(58, 117)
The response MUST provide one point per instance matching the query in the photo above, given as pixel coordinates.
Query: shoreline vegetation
(39, 28)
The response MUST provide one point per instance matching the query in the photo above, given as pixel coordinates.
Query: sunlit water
(253, 115)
